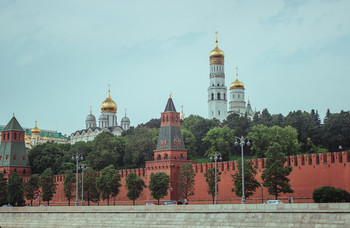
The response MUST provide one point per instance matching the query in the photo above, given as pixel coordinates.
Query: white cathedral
(217, 91)
(107, 122)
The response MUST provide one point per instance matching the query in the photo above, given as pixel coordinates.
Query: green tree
(48, 155)
(15, 190)
(48, 185)
(199, 128)
(140, 146)
(210, 179)
(3, 189)
(219, 140)
(190, 143)
(275, 175)
(240, 124)
(159, 185)
(31, 187)
(186, 180)
(250, 183)
(108, 182)
(69, 185)
(134, 186)
(106, 150)
(91, 192)
(337, 131)
(306, 126)
(329, 194)
(263, 118)
(263, 137)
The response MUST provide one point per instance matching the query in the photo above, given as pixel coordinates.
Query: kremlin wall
(309, 172)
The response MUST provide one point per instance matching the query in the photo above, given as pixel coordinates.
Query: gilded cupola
(109, 105)
(237, 84)
(35, 130)
(217, 55)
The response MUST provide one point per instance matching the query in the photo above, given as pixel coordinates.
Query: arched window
(15, 136)
(15, 171)
(224, 96)
(182, 157)
(24, 171)
(212, 98)
(219, 113)
(159, 157)
(218, 96)
(165, 156)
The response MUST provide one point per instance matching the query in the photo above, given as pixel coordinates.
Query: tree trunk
(108, 201)
(114, 201)
(48, 203)
(68, 202)
(133, 202)
(31, 203)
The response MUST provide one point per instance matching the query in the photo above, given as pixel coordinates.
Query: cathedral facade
(217, 91)
(107, 122)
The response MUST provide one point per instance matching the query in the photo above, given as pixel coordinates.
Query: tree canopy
(134, 185)
(186, 180)
(159, 185)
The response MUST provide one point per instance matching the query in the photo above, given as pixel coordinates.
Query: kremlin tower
(13, 154)
(217, 102)
(237, 100)
(170, 153)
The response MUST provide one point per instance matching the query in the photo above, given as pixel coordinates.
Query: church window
(24, 171)
(219, 113)
(165, 156)
(233, 96)
(218, 96)
(224, 96)
(212, 98)
(159, 157)
(15, 136)
(15, 171)
(238, 96)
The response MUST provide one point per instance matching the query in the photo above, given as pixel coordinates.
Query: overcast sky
(58, 57)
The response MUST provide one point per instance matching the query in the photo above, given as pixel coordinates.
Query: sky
(57, 57)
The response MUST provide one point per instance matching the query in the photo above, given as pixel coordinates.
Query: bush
(329, 194)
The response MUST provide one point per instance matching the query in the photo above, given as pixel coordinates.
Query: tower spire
(90, 110)
(237, 73)
(216, 38)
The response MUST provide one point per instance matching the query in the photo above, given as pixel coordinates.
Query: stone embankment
(225, 215)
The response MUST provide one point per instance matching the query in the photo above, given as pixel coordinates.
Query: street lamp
(171, 193)
(82, 168)
(215, 156)
(242, 142)
(262, 193)
(340, 147)
(76, 157)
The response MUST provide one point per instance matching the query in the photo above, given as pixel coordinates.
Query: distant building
(217, 91)
(36, 136)
(107, 122)
(13, 153)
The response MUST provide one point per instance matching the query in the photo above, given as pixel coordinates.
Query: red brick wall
(329, 169)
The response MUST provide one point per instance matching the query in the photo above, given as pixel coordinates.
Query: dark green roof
(170, 107)
(13, 125)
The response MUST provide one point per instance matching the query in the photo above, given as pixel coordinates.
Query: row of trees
(297, 132)
(14, 189)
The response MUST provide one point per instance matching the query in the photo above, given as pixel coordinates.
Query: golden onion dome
(27, 142)
(45, 138)
(217, 53)
(36, 130)
(237, 84)
(109, 105)
(25, 137)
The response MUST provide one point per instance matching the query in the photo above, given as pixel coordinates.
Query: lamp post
(340, 147)
(262, 193)
(242, 141)
(76, 157)
(82, 168)
(215, 156)
(171, 193)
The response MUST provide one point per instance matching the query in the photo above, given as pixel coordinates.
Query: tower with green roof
(13, 154)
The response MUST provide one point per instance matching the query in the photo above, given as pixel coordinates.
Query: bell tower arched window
(218, 96)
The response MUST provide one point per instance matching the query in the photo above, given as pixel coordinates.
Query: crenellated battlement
(293, 161)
